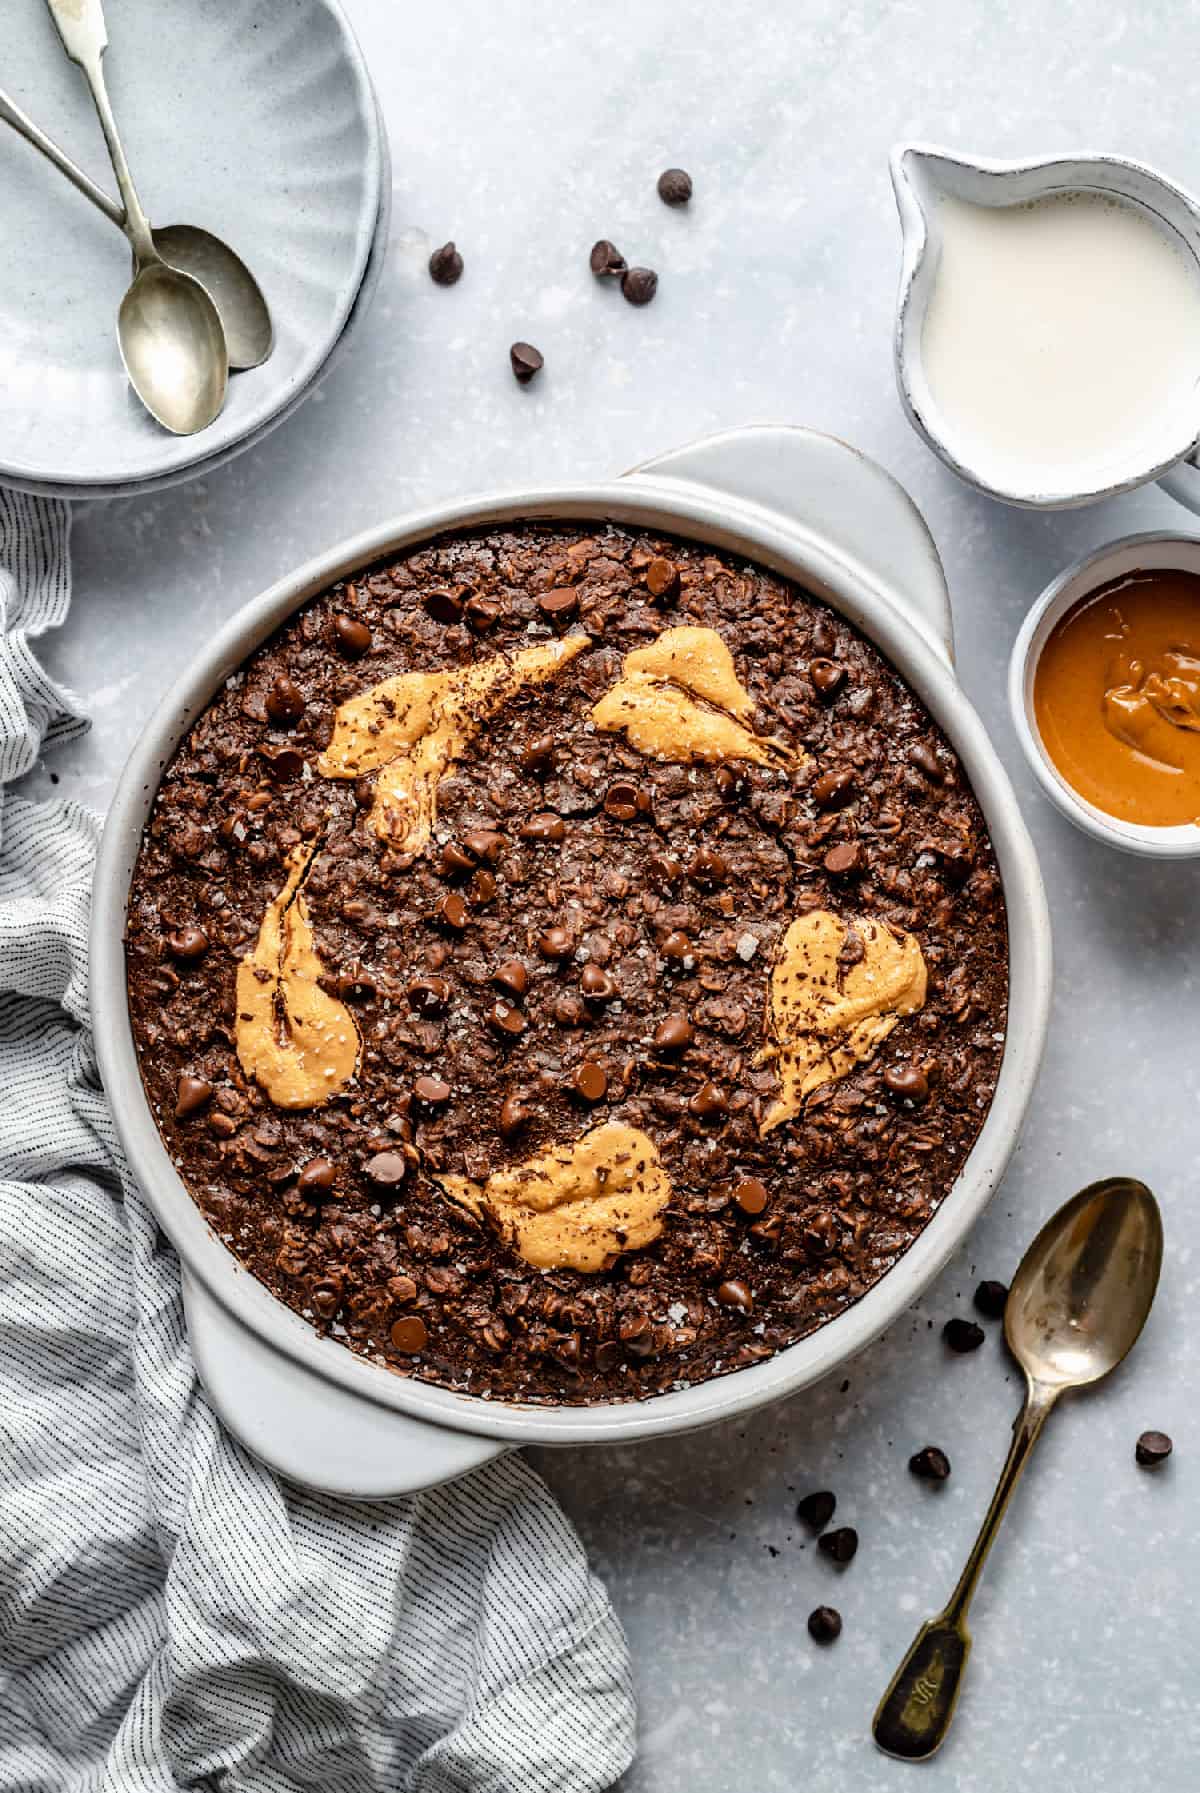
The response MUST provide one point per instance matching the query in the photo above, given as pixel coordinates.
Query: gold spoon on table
(1076, 1306)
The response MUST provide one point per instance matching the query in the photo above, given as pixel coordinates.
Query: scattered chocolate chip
(962, 1335)
(732, 783)
(925, 759)
(596, 984)
(589, 1081)
(664, 869)
(483, 886)
(446, 265)
(284, 702)
(561, 602)
(827, 677)
(514, 1113)
(428, 995)
(316, 1179)
(708, 867)
(544, 826)
(353, 638)
(908, 1083)
(453, 912)
(538, 757)
(639, 285)
(736, 1294)
(824, 1624)
(708, 1102)
(816, 1510)
(283, 763)
(991, 1299)
(833, 790)
(1152, 1449)
(845, 860)
(526, 361)
(624, 802)
(512, 976)
(555, 943)
(750, 1195)
(484, 843)
(386, 1169)
(820, 1233)
(481, 613)
(456, 861)
(410, 1334)
(675, 186)
(606, 260)
(662, 576)
(443, 606)
(673, 1034)
(840, 1545)
(188, 944)
(676, 946)
(930, 1464)
(434, 1092)
(191, 1095)
(506, 1020)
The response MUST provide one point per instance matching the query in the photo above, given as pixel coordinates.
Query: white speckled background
(525, 130)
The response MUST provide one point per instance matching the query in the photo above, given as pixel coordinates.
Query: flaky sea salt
(747, 946)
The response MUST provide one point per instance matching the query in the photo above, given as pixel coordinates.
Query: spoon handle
(81, 27)
(915, 1713)
(11, 114)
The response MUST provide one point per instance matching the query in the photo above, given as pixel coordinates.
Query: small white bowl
(1131, 554)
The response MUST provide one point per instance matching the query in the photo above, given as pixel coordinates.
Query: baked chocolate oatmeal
(567, 964)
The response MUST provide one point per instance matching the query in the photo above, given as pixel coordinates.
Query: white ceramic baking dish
(809, 507)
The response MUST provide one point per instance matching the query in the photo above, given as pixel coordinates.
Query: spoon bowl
(245, 319)
(173, 348)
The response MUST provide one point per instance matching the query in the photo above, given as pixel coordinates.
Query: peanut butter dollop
(575, 1207)
(828, 1010)
(409, 729)
(297, 1042)
(655, 703)
(1165, 689)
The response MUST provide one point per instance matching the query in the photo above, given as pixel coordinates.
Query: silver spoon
(168, 329)
(1076, 1306)
(222, 273)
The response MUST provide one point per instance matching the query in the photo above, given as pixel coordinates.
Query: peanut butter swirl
(298, 1042)
(410, 729)
(575, 1207)
(680, 699)
(839, 986)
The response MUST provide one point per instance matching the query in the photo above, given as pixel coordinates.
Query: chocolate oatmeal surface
(587, 939)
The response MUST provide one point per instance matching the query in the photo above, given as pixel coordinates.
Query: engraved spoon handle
(81, 27)
(914, 1714)
(11, 114)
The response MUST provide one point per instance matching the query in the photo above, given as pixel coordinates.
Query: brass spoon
(1077, 1304)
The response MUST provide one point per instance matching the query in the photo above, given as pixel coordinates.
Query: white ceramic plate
(253, 118)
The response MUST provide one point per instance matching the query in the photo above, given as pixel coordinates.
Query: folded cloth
(172, 1614)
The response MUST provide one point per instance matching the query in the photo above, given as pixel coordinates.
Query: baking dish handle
(820, 487)
(312, 1431)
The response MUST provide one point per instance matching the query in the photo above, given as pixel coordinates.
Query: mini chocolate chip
(505, 1019)
(624, 801)
(750, 1195)
(736, 1294)
(589, 1081)
(188, 943)
(673, 1034)
(675, 186)
(676, 946)
(816, 1510)
(526, 361)
(840, 1545)
(456, 861)
(555, 943)
(316, 1178)
(833, 790)
(827, 677)
(732, 783)
(845, 860)
(708, 867)
(596, 984)
(907, 1082)
(410, 1334)
(429, 995)
(538, 757)
(481, 613)
(768, 1231)
(930, 1464)
(284, 702)
(446, 265)
(925, 759)
(452, 911)
(606, 260)
(191, 1095)
(825, 1624)
(708, 1101)
(664, 869)
(283, 763)
(513, 1114)
(559, 603)
(962, 1335)
(386, 1169)
(353, 638)
(639, 285)
(512, 976)
(662, 575)
(991, 1299)
(433, 1091)
(1152, 1449)
(443, 606)
(483, 886)
(485, 843)
(544, 826)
